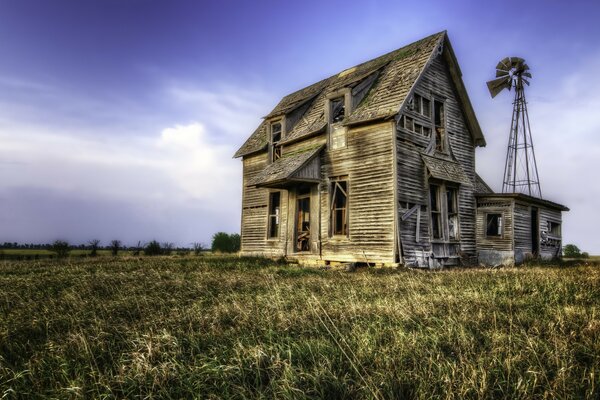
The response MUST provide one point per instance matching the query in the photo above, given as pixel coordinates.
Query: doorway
(303, 220)
(535, 232)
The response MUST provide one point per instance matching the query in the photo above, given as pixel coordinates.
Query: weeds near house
(216, 327)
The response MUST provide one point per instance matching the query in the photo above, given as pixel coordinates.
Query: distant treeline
(221, 242)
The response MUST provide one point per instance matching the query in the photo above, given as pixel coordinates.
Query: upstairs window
(337, 110)
(274, 205)
(339, 207)
(422, 105)
(440, 126)
(275, 138)
(411, 125)
(493, 225)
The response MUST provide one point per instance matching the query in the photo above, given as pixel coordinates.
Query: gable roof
(396, 74)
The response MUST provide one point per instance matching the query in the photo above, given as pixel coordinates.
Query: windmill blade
(526, 81)
(514, 61)
(495, 86)
(504, 64)
(525, 67)
(527, 74)
(500, 73)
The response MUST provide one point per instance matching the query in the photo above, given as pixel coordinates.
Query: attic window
(337, 109)
(422, 105)
(493, 225)
(440, 126)
(275, 138)
(411, 125)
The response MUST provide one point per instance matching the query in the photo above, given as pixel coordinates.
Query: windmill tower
(520, 169)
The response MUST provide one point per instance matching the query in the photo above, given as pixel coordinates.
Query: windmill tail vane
(520, 168)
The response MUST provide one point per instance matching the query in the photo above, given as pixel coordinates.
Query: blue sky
(118, 119)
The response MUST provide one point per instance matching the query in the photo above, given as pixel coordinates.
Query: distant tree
(94, 247)
(138, 248)
(225, 243)
(115, 246)
(571, 251)
(167, 248)
(153, 248)
(198, 248)
(61, 248)
(585, 254)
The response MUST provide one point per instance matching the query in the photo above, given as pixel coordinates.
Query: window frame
(276, 215)
(501, 224)
(441, 141)
(442, 214)
(338, 127)
(549, 224)
(334, 182)
(275, 149)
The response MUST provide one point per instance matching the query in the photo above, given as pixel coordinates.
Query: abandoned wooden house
(375, 165)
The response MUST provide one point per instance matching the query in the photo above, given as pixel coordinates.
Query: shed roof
(397, 73)
(524, 198)
(284, 169)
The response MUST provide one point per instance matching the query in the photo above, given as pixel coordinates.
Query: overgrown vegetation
(225, 243)
(217, 327)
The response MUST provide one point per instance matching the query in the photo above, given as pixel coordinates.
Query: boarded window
(274, 206)
(337, 109)
(339, 208)
(436, 212)
(554, 228)
(452, 207)
(493, 225)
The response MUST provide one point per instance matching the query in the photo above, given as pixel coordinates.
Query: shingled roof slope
(398, 71)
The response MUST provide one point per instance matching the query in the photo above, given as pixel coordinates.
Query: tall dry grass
(251, 328)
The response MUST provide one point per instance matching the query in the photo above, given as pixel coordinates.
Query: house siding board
(367, 160)
(522, 223)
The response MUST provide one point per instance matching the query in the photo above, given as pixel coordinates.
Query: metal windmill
(520, 170)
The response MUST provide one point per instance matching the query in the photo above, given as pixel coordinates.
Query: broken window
(411, 125)
(337, 137)
(339, 208)
(440, 126)
(493, 225)
(554, 228)
(337, 109)
(274, 204)
(275, 138)
(422, 105)
(436, 212)
(452, 207)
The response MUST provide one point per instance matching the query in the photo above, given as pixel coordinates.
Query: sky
(119, 118)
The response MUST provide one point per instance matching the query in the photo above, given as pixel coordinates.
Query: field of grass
(185, 327)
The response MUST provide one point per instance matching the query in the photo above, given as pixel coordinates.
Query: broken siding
(412, 185)
(550, 246)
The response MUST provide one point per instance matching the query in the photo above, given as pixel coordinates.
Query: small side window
(339, 208)
(494, 225)
(554, 228)
(275, 138)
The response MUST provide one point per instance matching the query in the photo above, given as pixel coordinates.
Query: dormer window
(422, 105)
(337, 109)
(275, 138)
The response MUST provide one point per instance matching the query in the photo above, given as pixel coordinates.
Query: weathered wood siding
(367, 160)
(255, 203)
(550, 246)
(522, 225)
(412, 181)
